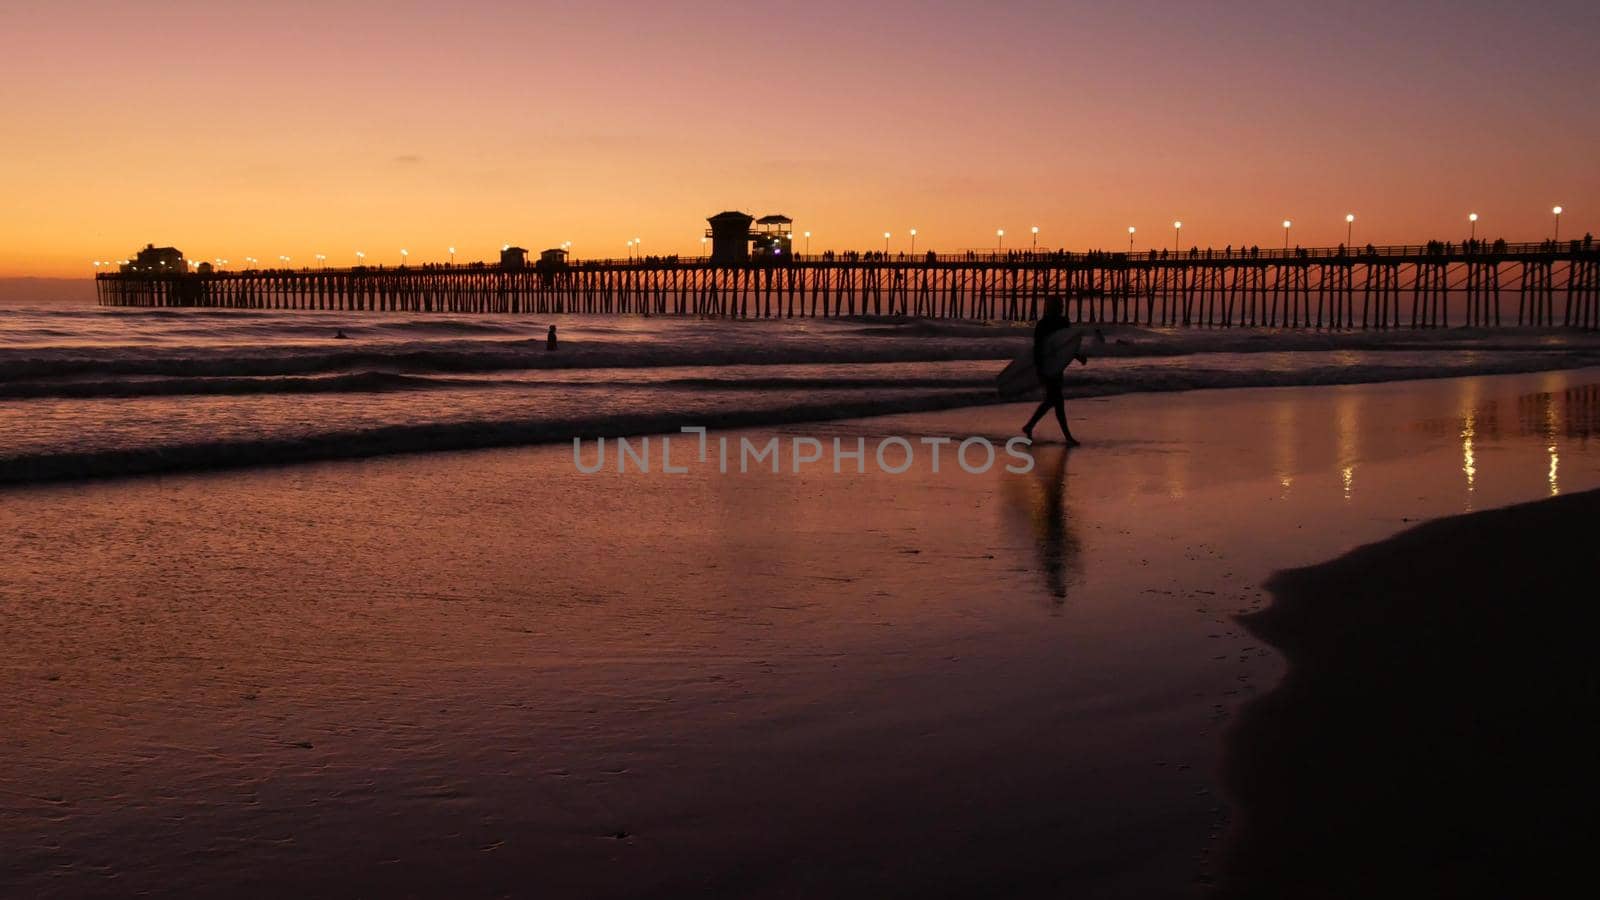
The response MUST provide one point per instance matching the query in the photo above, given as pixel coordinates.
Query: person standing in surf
(1053, 321)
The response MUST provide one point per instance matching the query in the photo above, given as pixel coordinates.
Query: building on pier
(553, 259)
(773, 238)
(513, 257)
(733, 240)
(730, 237)
(157, 261)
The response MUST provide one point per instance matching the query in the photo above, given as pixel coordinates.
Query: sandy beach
(1430, 736)
(484, 674)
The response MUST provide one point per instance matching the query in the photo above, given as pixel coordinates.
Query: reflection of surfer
(1052, 322)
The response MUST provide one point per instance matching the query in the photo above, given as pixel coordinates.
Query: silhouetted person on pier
(550, 339)
(339, 335)
(1052, 322)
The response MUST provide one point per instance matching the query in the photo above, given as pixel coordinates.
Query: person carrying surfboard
(1050, 376)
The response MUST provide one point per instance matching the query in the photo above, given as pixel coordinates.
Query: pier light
(1177, 228)
(1131, 230)
(1349, 227)
(1286, 225)
(452, 256)
(504, 247)
(1473, 218)
(361, 258)
(886, 243)
(322, 260)
(808, 243)
(913, 242)
(1000, 239)
(404, 255)
(97, 264)
(1035, 237)
(1557, 211)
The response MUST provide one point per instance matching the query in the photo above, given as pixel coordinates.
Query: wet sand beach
(485, 674)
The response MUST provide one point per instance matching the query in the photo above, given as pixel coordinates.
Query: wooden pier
(1427, 286)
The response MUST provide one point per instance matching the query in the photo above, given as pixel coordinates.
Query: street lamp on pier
(630, 251)
(322, 260)
(1131, 230)
(1473, 218)
(1177, 228)
(1286, 224)
(1349, 227)
(1000, 240)
(361, 258)
(808, 245)
(1557, 211)
(452, 256)
(1036, 238)
(886, 243)
(405, 256)
(913, 242)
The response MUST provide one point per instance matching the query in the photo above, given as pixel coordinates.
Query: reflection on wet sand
(1570, 415)
(1038, 502)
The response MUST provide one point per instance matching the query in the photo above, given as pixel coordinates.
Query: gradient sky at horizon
(296, 128)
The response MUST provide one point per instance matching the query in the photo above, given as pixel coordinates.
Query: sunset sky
(299, 128)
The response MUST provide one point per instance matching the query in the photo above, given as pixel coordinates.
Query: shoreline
(1427, 739)
(21, 471)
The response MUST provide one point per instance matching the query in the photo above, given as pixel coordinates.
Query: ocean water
(89, 392)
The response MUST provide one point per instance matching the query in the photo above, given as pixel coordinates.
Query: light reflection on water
(1567, 416)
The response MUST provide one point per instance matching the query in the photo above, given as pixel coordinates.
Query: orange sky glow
(234, 130)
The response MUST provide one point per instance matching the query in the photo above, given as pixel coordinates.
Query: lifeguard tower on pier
(734, 240)
(773, 238)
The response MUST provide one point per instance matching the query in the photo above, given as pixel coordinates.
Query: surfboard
(1060, 349)
(1020, 376)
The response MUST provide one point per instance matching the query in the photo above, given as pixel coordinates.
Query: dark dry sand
(1431, 736)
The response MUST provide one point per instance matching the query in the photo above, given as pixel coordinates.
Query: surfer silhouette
(1053, 321)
